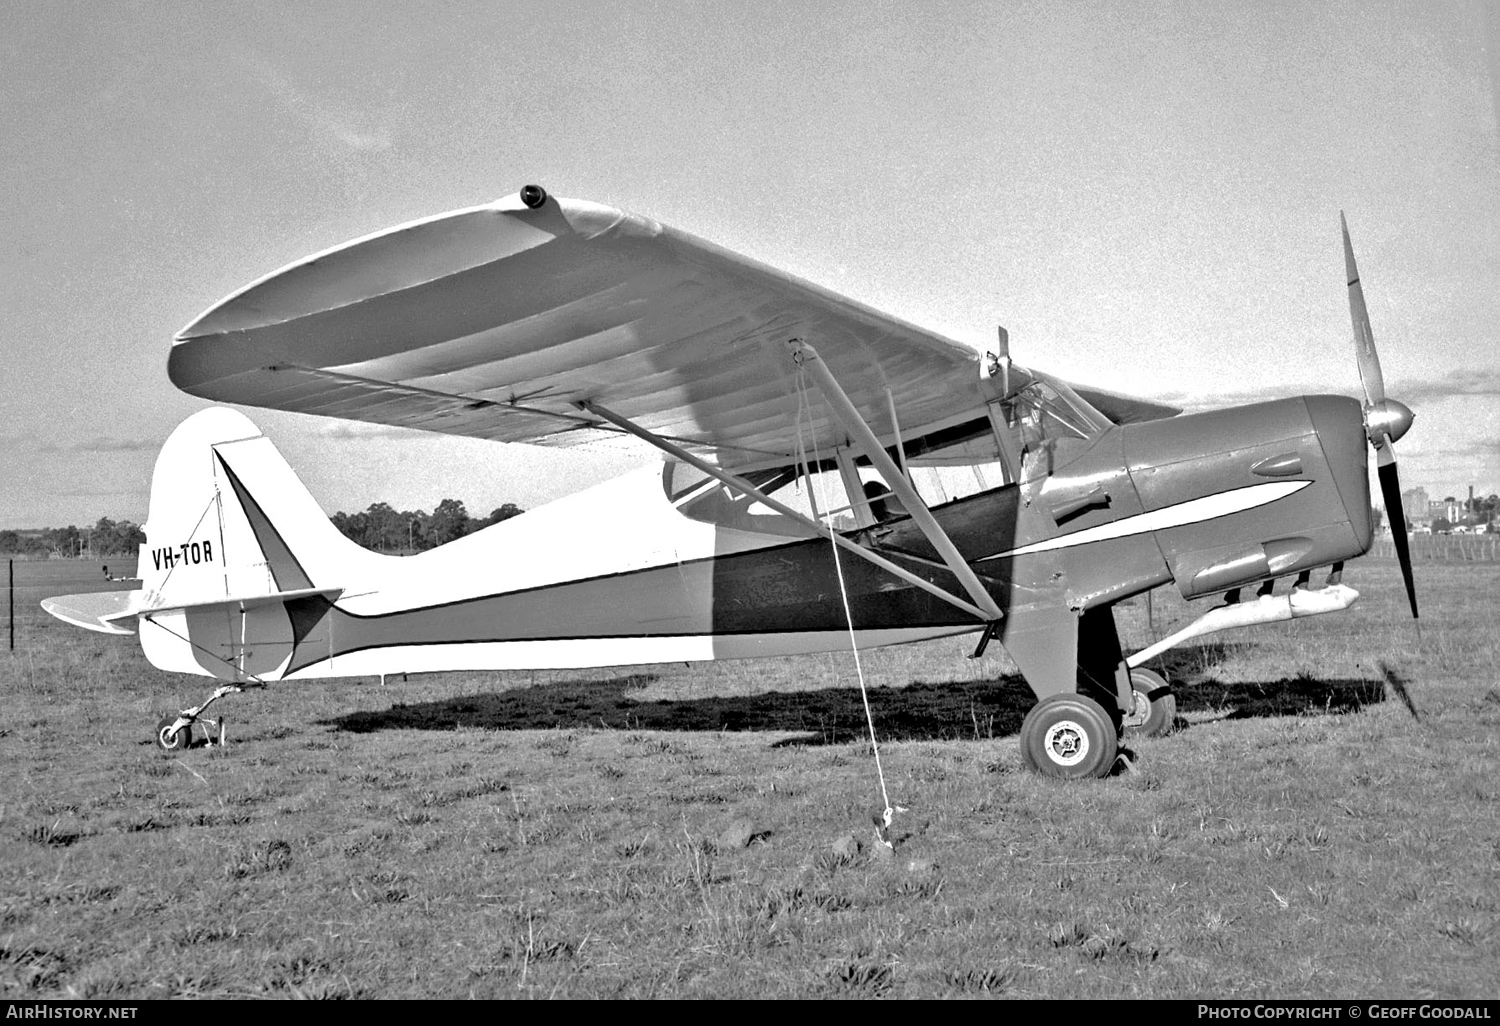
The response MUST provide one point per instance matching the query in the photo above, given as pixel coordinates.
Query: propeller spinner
(1386, 420)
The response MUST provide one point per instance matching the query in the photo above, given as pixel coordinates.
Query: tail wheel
(169, 740)
(1155, 707)
(1069, 736)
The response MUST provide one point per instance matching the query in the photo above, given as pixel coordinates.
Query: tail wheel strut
(175, 733)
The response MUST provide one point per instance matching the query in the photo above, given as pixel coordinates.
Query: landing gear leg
(1074, 663)
(1102, 672)
(175, 733)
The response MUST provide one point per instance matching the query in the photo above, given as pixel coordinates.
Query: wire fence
(1444, 548)
(27, 581)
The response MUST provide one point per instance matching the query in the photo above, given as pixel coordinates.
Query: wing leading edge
(497, 321)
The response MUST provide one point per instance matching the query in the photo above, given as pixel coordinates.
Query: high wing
(498, 321)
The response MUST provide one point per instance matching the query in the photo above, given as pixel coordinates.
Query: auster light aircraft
(797, 504)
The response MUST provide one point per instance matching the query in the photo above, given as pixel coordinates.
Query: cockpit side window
(956, 463)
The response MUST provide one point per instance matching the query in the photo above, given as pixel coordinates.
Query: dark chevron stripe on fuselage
(789, 587)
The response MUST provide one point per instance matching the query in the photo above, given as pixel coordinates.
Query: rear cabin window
(706, 499)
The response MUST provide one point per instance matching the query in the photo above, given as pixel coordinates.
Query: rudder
(235, 544)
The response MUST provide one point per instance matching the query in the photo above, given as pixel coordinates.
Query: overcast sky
(1146, 195)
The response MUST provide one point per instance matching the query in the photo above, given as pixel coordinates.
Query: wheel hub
(1066, 743)
(1140, 710)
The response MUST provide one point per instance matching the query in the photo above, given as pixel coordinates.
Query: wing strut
(745, 487)
(847, 414)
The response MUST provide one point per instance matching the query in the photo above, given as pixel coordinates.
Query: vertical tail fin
(240, 564)
(229, 520)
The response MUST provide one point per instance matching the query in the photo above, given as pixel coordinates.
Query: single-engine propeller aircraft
(831, 474)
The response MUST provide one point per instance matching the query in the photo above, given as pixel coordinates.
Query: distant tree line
(389, 530)
(106, 538)
(380, 528)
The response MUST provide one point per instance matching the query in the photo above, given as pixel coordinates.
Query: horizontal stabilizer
(108, 611)
(244, 601)
(100, 611)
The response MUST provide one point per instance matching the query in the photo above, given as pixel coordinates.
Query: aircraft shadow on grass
(917, 712)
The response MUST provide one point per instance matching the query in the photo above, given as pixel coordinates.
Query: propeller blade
(1384, 421)
(1364, 339)
(1390, 488)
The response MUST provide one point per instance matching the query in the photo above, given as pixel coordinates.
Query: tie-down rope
(803, 409)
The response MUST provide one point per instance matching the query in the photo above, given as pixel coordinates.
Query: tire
(175, 741)
(1155, 708)
(1069, 736)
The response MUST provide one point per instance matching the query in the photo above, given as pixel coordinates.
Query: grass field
(1324, 823)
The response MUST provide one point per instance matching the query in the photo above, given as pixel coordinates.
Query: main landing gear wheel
(169, 740)
(1069, 736)
(1155, 707)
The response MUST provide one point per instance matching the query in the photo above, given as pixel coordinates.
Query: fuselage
(619, 574)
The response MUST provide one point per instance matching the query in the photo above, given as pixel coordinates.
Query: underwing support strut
(744, 487)
(849, 416)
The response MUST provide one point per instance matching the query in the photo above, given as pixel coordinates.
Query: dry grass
(1324, 824)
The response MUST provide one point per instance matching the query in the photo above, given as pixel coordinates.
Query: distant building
(1414, 504)
(1449, 511)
